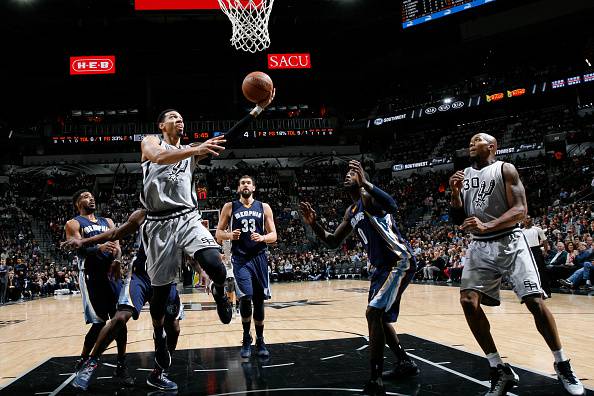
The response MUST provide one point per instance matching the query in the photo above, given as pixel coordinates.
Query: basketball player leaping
(98, 285)
(488, 200)
(393, 262)
(173, 223)
(136, 292)
(251, 226)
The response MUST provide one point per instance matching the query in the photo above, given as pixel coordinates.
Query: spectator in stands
(560, 256)
(3, 281)
(433, 267)
(557, 266)
(583, 265)
(13, 287)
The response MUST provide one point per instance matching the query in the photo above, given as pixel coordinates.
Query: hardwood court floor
(34, 331)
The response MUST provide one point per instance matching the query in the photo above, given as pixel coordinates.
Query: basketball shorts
(488, 261)
(251, 276)
(387, 286)
(99, 297)
(137, 291)
(166, 239)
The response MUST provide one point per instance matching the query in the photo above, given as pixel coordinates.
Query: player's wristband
(256, 111)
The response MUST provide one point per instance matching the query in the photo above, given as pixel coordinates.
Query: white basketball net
(250, 23)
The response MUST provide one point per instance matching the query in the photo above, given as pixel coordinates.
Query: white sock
(494, 359)
(559, 356)
(589, 282)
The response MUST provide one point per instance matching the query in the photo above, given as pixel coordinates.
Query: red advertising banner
(152, 5)
(495, 97)
(289, 61)
(516, 92)
(92, 65)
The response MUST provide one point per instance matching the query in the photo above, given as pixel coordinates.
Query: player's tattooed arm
(222, 234)
(516, 198)
(270, 236)
(334, 239)
(115, 234)
(73, 234)
(152, 150)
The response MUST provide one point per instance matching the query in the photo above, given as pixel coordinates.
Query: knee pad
(210, 261)
(259, 309)
(93, 334)
(245, 307)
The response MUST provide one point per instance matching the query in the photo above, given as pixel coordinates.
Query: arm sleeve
(457, 215)
(235, 131)
(383, 199)
(232, 134)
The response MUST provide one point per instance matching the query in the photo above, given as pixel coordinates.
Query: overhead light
(447, 100)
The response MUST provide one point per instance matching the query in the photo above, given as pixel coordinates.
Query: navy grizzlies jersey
(97, 263)
(247, 220)
(379, 236)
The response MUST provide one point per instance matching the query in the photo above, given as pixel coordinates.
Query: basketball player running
(252, 227)
(98, 278)
(136, 292)
(230, 281)
(393, 262)
(488, 200)
(173, 225)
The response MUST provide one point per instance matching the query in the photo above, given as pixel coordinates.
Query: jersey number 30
(248, 225)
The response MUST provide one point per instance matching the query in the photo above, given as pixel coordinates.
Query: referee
(537, 240)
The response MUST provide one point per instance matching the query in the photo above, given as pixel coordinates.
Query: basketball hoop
(250, 23)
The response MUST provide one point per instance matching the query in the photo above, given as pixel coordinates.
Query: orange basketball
(257, 86)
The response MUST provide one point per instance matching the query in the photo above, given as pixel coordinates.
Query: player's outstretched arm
(334, 239)
(376, 199)
(73, 232)
(115, 234)
(516, 196)
(117, 250)
(270, 236)
(236, 130)
(152, 151)
(221, 233)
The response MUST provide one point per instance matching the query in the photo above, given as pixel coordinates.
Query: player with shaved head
(489, 201)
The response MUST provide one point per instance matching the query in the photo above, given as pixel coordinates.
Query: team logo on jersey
(483, 194)
(177, 170)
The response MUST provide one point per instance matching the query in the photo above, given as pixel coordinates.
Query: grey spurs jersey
(168, 187)
(483, 193)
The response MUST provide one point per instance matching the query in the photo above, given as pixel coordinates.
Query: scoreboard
(290, 135)
(415, 12)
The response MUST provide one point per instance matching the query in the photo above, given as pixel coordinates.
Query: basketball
(257, 86)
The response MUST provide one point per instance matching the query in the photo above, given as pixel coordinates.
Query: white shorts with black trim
(166, 240)
(488, 260)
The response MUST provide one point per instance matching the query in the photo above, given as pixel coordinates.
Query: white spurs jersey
(483, 193)
(168, 187)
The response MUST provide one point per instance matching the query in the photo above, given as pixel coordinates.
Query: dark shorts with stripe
(387, 286)
(251, 276)
(100, 297)
(137, 291)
